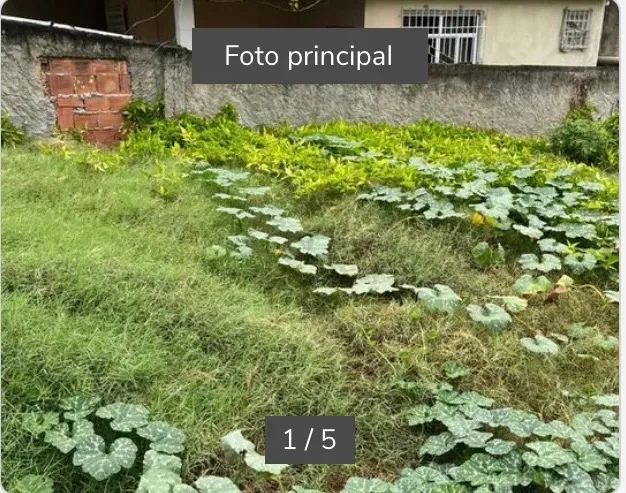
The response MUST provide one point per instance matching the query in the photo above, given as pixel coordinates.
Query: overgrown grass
(109, 289)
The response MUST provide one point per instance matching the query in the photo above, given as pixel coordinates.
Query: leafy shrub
(11, 135)
(141, 113)
(584, 139)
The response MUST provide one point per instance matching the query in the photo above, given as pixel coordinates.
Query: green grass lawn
(109, 289)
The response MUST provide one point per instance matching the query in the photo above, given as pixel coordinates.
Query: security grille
(453, 35)
(575, 29)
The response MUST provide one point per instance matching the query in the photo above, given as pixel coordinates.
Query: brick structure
(89, 95)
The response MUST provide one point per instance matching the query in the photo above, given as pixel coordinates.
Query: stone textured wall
(520, 100)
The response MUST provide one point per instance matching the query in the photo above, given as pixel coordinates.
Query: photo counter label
(310, 439)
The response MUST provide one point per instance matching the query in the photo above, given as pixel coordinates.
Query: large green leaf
(580, 263)
(569, 478)
(316, 245)
(609, 446)
(362, 485)
(374, 283)
(587, 457)
(547, 455)
(540, 345)
(125, 417)
(492, 316)
(440, 298)
(286, 224)
(606, 400)
(163, 437)
(90, 454)
(438, 444)
(79, 407)
(548, 262)
(520, 423)
(60, 437)
(529, 285)
(513, 304)
(268, 210)
(216, 484)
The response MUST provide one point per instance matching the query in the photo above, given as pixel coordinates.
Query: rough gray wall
(520, 100)
(25, 47)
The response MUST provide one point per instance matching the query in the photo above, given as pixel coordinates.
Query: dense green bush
(583, 138)
(11, 135)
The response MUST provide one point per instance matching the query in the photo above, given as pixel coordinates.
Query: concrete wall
(521, 100)
(515, 32)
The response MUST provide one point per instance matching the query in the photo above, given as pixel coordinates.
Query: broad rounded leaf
(547, 455)
(90, 454)
(440, 298)
(374, 283)
(607, 400)
(215, 484)
(528, 285)
(539, 344)
(125, 417)
(316, 245)
(512, 303)
(79, 407)
(234, 211)
(362, 485)
(492, 316)
(163, 437)
(286, 224)
(438, 444)
(548, 262)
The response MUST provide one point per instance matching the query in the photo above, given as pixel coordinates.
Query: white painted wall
(184, 21)
(516, 32)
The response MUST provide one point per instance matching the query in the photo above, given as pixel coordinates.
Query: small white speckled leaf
(79, 407)
(125, 417)
(91, 456)
(235, 445)
(163, 437)
(215, 484)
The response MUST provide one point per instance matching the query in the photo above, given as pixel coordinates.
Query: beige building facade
(529, 32)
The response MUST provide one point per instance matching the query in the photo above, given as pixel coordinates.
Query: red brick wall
(89, 95)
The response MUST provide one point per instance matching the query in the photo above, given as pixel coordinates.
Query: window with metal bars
(453, 35)
(575, 29)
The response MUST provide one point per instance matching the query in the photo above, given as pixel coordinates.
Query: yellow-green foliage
(337, 157)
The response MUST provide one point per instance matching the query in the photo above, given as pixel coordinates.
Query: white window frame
(441, 34)
(575, 29)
